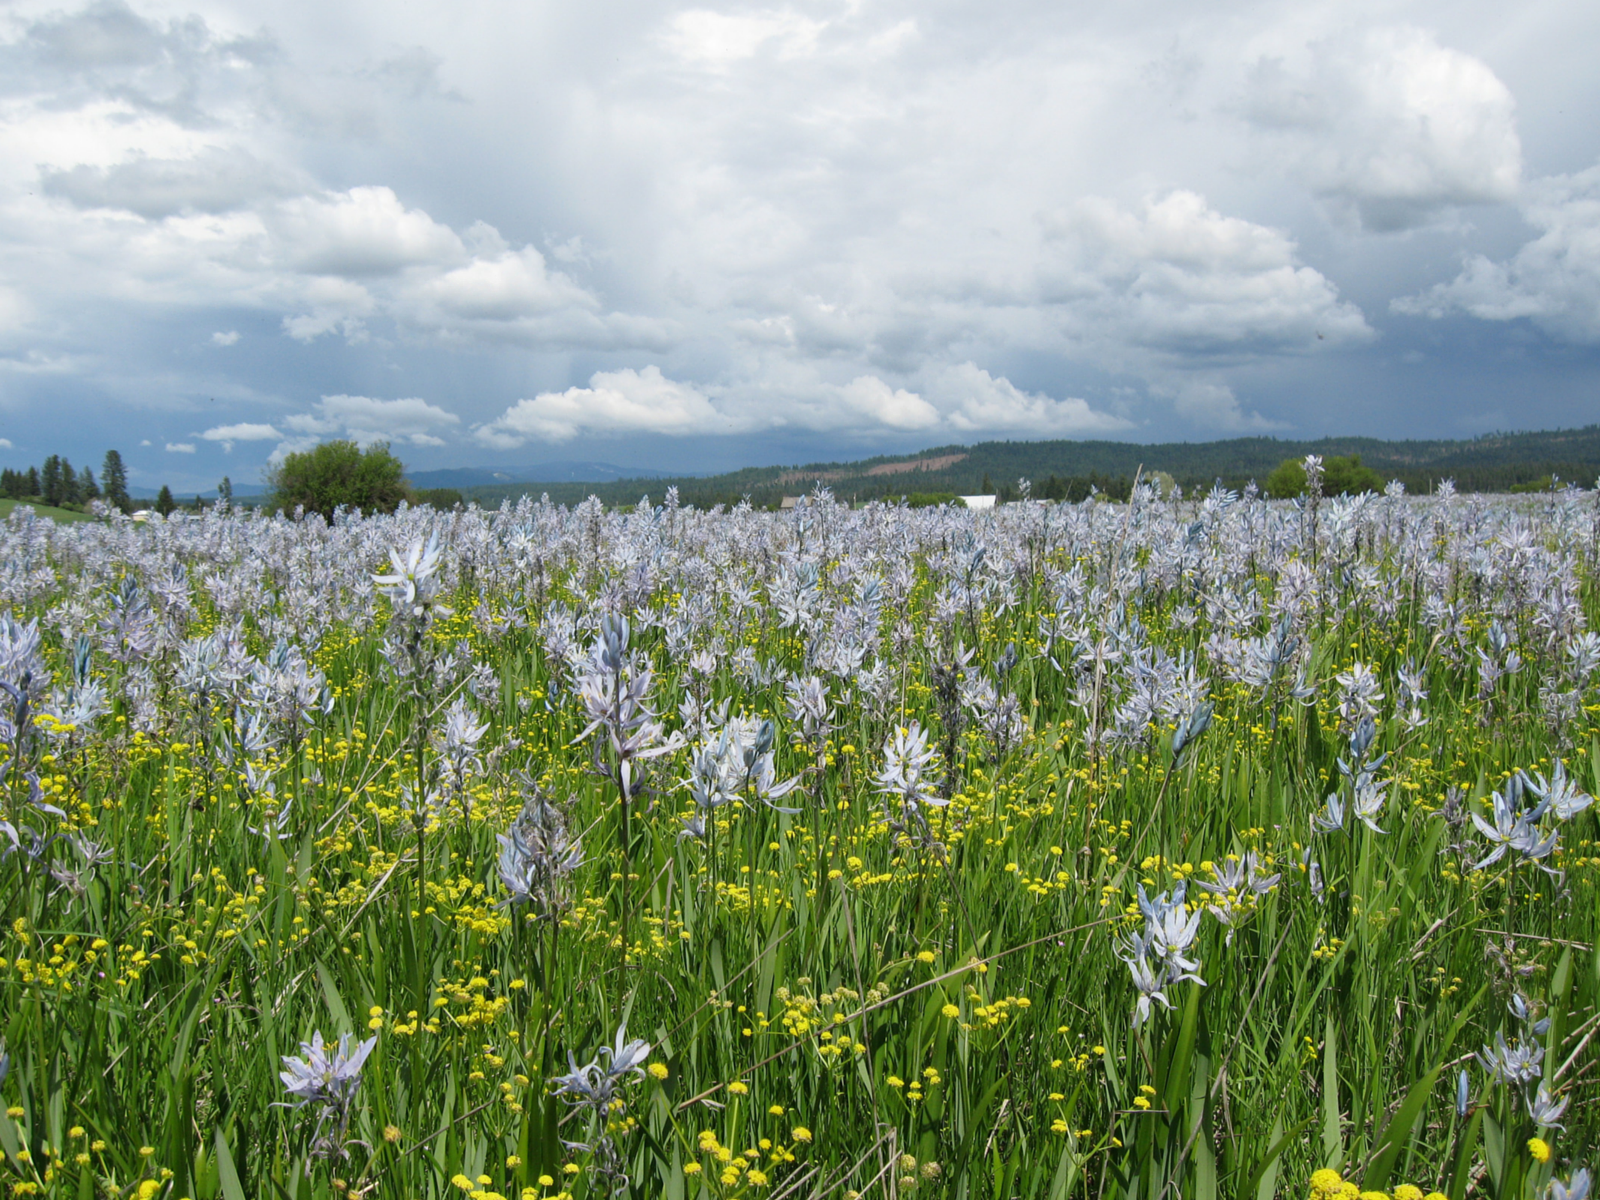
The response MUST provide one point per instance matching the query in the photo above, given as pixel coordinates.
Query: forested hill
(1066, 469)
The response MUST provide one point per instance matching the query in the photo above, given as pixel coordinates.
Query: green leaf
(1263, 1181)
(1463, 1172)
(1175, 1088)
(336, 1008)
(1398, 1132)
(1332, 1137)
(229, 1177)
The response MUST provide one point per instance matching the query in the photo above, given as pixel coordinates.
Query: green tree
(1347, 477)
(1340, 477)
(50, 480)
(71, 490)
(225, 491)
(441, 498)
(114, 481)
(337, 474)
(87, 485)
(164, 501)
(32, 487)
(1288, 480)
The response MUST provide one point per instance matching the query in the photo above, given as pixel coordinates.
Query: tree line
(59, 484)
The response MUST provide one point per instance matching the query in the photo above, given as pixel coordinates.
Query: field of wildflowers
(1190, 847)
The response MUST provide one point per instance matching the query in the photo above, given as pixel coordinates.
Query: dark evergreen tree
(225, 491)
(87, 485)
(71, 491)
(114, 480)
(50, 480)
(165, 504)
(33, 487)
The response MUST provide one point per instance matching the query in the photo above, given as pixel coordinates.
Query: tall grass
(835, 1006)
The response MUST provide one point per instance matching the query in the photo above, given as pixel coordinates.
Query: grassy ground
(863, 985)
(44, 510)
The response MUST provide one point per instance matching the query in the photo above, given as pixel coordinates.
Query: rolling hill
(1494, 462)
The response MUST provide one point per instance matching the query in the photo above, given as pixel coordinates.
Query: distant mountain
(1492, 463)
(552, 472)
(239, 489)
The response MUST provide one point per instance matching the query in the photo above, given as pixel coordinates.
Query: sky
(693, 238)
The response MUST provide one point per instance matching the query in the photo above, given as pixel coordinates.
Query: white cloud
(1554, 280)
(625, 401)
(363, 232)
(229, 338)
(510, 296)
(365, 420)
(1390, 126)
(180, 447)
(5, 444)
(1212, 405)
(243, 432)
(977, 402)
(217, 179)
(958, 401)
(847, 217)
(1176, 277)
(716, 39)
(336, 304)
(510, 285)
(15, 312)
(890, 407)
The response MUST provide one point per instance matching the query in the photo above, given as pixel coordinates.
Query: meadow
(1189, 847)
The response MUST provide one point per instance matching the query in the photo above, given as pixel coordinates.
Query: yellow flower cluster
(1328, 1184)
(734, 1165)
(998, 1012)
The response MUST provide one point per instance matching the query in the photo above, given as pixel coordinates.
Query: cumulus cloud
(1211, 404)
(849, 218)
(334, 304)
(890, 407)
(1390, 126)
(625, 401)
(959, 400)
(219, 179)
(361, 232)
(503, 295)
(180, 447)
(5, 444)
(242, 432)
(213, 229)
(152, 67)
(1553, 280)
(505, 287)
(1175, 276)
(227, 338)
(365, 420)
(979, 402)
